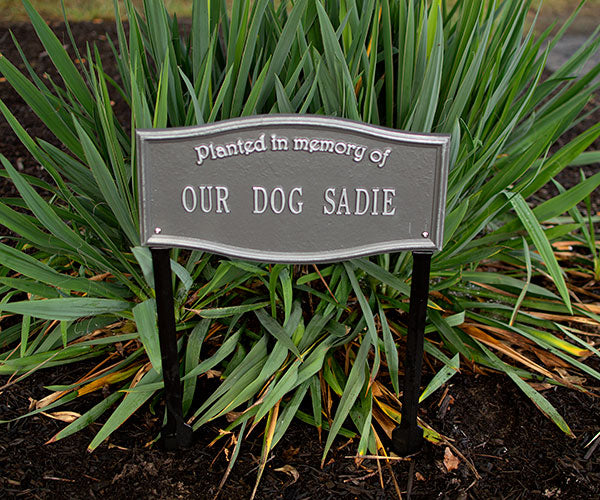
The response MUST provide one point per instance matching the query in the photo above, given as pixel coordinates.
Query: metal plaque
(292, 188)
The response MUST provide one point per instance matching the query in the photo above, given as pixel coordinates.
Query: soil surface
(502, 445)
(510, 450)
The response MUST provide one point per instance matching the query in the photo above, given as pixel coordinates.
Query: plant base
(407, 441)
(181, 438)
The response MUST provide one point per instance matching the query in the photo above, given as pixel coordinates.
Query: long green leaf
(541, 242)
(126, 408)
(144, 314)
(66, 309)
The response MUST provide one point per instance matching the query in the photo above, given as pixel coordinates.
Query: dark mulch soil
(510, 449)
(516, 451)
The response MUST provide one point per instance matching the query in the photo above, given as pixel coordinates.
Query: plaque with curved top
(292, 188)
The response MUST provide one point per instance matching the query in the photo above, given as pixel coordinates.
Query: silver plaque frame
(418, 166)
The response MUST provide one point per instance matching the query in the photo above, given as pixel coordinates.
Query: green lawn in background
(79, 10)
(86, 10)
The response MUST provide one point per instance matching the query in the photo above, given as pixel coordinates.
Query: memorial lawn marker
(292, 189)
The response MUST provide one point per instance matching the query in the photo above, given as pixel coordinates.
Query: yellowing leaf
(111, 378)
(503, 348)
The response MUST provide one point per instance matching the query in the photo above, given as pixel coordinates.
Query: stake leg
(176, 433)
(407, 438)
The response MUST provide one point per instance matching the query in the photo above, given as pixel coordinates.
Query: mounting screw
(157, 230)
(425, 234)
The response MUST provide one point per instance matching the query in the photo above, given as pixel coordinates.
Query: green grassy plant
(587, 234)
(84, 10)
(320, 343)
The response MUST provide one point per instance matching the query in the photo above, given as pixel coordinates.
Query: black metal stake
(176, 433)
(407, 438)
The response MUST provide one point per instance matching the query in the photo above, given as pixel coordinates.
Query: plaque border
(432, 242)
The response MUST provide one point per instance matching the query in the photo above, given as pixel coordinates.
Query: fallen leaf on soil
(419, 476)
(128, 470)
(291, 452)
(451, 462)
(117, 447)
(554, 492)
(63, 416)
(539, 386)
(289, 470)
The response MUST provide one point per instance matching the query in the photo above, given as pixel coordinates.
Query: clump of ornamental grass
(319, 343)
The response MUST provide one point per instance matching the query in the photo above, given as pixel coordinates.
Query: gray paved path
(567, 47)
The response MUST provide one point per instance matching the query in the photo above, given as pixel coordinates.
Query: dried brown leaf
(451, 462)
(290, 471)
(32, 403)
(42, 403)
(290, 452)
(63, 416)
(138, 376)
(232, 416)
(213, 374)
(538, 386)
